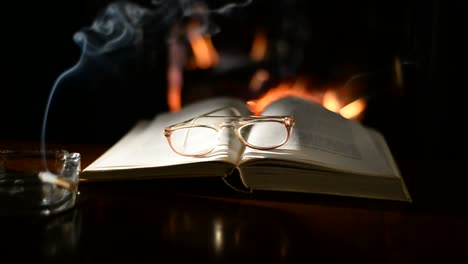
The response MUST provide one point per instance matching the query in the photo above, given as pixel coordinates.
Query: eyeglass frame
(236, 125)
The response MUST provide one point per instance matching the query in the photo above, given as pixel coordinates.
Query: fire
(204, 56)
(204, 52)
(330, 99)
(174, 91)
(258, 79)
(297, 89)
(177, 60)
(353, 109)
(259, 46)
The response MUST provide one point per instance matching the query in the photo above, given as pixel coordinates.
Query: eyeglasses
(199, 136)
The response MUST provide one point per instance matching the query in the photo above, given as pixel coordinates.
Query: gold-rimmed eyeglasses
(199, 136)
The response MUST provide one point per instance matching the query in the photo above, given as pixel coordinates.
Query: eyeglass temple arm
(236, 112)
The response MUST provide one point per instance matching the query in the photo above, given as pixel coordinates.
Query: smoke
(121, 29)
(122, 24)
(118, 27)
(223, 10)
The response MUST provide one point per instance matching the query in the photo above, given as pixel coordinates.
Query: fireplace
(389, 58)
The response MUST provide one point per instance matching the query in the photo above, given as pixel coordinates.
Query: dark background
(342, 37)
(425, 128)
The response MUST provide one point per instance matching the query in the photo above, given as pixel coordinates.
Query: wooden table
(204, 221)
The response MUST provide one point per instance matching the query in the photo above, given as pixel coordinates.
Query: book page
(146, 146)
(322, 138)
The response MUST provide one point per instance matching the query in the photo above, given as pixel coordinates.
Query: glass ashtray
(38, 184)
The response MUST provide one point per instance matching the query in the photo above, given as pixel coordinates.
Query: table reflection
(160, 224)
(225, 231)
(140, 221)
(62, 234)
(28, 237)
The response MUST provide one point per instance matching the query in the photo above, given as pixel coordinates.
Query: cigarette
(49, 177)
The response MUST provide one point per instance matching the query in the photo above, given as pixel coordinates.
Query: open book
(325, 154)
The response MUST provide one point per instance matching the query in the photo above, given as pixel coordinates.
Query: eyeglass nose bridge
(233, 127)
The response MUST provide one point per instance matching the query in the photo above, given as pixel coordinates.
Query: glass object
(32, 183)
(199, 136)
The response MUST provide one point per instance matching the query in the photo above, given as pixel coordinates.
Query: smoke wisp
(119, 32)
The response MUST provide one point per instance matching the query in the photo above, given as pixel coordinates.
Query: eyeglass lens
(264, 135)
(201, 140)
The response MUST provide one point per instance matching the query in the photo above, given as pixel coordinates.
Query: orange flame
(259, 46)
(330, 99)
(204, 56)
(176, 62)
(297, 89)
(258, 79)
(174, 90)
(353, 109)
(334, 103)
(204, 52)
